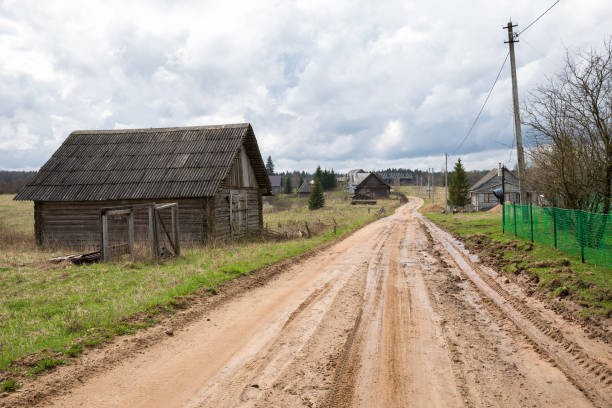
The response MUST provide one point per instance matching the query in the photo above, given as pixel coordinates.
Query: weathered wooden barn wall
(238, 207)
(77, 224)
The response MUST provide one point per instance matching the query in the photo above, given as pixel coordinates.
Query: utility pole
(446, 182)
(517, 116)
(503, 200)
(433, 188)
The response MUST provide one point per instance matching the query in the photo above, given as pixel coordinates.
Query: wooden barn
(305, 189)
(371, 185)
(215, 173)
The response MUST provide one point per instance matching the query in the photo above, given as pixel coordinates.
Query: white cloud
(342, 84)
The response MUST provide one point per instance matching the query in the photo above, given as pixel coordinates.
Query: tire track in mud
(587, 373)
(342, 391)
(260, 380)
(493, 363)
(395, 355)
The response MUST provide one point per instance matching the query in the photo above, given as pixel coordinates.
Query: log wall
(254, 214)
(77, 224)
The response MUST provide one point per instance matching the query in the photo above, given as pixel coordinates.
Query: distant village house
(305, 189)
(397, 179)
(365, 184)
(481, 193)
(275, 182)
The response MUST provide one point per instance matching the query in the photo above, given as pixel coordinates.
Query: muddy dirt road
(396, 315)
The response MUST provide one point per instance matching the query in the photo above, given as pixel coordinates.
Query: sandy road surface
(396, 315)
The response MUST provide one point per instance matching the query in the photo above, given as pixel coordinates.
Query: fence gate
(156, 226)
(238, 212)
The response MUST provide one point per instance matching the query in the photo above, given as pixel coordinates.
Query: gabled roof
(132, 164)
(393, 175)
(275, 181)
(362, 177)
(306, 187)
(510, 178)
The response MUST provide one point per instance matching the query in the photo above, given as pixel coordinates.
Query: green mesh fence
(584, 234)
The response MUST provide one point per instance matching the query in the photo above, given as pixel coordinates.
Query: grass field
(556, 273)
(47, 309)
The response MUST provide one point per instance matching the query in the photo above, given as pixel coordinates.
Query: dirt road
(396, 315)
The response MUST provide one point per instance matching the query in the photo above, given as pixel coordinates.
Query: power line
(483, 105)
(539, 17)
(498, 74)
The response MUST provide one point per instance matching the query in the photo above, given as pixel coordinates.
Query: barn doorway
(238, 212)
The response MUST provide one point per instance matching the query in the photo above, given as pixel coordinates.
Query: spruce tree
(270, 166)
(287, 187)
(319, 174)
(316, 199)
(460, 186)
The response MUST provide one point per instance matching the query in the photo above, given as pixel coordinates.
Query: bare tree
(570, 120)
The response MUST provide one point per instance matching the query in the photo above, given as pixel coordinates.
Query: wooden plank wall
(77, 224)
(222, 213)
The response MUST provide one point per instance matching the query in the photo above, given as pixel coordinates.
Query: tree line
(12, 181)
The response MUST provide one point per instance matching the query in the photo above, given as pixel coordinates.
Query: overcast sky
(343, 84)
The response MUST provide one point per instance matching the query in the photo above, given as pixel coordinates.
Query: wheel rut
(588, 373)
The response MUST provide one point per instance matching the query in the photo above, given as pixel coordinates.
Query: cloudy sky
(344, 84)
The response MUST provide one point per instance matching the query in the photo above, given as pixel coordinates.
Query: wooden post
(153, 233)
(554, 217)
(446, 183)
(517, 117)
(531, 219)
(131, 232)
(514, 211)
(105, 248)
(503, 200)
(175, 230)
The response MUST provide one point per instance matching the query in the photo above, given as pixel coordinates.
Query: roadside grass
(51, 313)
(556, 274)
(9, 386)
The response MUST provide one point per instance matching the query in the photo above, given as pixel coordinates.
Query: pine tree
(316, 199)
(460, 186)
(287, 187)
(270, 166)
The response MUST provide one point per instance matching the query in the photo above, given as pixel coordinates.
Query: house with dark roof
(275, 182)
(215, 173)
(397, 179)
(366, 184)
(481, 193)
(371, 185)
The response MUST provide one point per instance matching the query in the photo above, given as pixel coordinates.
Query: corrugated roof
(491, 174)
(361, 177)
(131, 164)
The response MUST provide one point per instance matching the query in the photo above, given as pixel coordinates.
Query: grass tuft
(46, 364)
(9, 386)
(74, 350)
